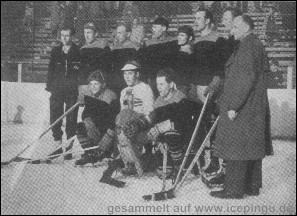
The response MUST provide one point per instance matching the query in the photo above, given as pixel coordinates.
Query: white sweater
(143, 98)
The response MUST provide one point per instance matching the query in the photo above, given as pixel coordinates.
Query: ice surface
(64, 189)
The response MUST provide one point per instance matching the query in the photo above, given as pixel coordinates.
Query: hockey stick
(170, 194)
(164, 167)
(148, 197)
(41, 135)
(56, 155)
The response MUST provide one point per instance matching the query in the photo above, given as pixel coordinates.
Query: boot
(106, 177)
(130, 170)
(90, 156)
(214, 166)
(216, 182)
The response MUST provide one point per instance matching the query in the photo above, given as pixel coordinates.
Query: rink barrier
(35, 100)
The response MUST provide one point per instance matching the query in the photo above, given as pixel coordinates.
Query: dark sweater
(93, 57)
(157, 55)
(102, 113)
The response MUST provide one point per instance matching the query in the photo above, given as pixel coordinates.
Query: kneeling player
(98, 118)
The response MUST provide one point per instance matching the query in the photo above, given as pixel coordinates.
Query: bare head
(66, 35)
(228, 16)
(123, 32)
(165, 82)
(203, 19)
(242, 26)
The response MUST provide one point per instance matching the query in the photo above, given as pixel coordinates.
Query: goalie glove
(160, 129)
(165, 126)
(135, 126)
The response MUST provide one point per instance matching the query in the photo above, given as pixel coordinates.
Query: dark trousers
(57, 101)
(242, 176)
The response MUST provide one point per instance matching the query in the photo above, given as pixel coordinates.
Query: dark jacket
(63, 70)
(247, 137)
(95, 56)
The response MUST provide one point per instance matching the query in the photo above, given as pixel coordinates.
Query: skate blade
(161, 196)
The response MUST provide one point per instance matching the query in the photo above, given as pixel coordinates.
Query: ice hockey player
(137, 102)
(98, 120)
(156, 54)
(123, 49)
(95, 55)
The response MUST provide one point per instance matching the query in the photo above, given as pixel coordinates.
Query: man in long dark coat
(243, 133)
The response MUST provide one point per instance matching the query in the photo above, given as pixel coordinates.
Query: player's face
(122, 35)
(227, 20)
(66, 37)
(158, 31)
(95, 86)
(90, 35)
(182, 38)
(163, 86)
(131, 77)
(200, 21)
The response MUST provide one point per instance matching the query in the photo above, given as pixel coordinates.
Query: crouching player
(98, 117)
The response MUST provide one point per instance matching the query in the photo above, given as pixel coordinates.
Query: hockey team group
(142, 102)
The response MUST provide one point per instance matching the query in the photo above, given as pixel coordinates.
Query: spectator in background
(138, 32)
(81, 18)
(275, 78)
(130, 12)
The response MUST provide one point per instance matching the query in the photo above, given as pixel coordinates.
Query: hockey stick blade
(160, 196)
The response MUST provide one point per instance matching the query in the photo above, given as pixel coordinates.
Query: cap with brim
(129, 67)
(90, 26)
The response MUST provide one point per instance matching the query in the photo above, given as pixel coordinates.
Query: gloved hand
(153, 134)
(165, 126)
(162, 147)
(213, 86)
(209, 90)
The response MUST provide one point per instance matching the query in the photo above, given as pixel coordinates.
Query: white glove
(165, 126)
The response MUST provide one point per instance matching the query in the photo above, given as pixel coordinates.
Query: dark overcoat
(247, 137)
